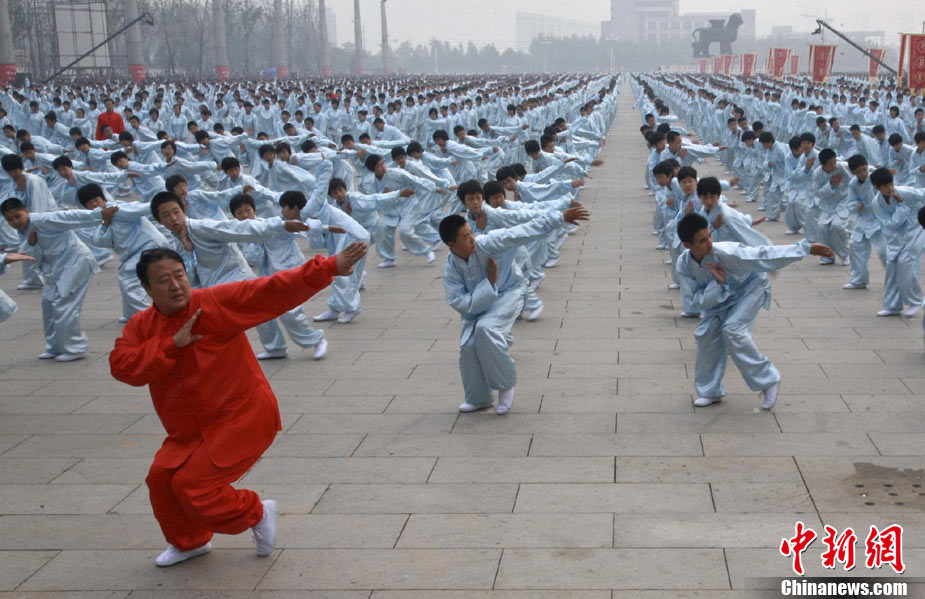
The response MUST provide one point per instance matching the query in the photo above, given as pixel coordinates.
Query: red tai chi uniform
(216, 405)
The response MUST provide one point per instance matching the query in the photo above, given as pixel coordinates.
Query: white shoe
(762, 209)
(469, 407)
(789, 232)
(265, 530)
(105, 261)
(47, 356)
(28, 286)
(273, 355)
(667, 261)
(320, 350)
(172, 555)
(505, 400)
(123, 319)
(826, 260)
(674, 286)
(912, 311)
(363, 280)
(690, 314)
(534, 283)
(570, 229)
(853, 286)
(559, 242)
(431, 256)
(326, 316)
(661, 246)
(348, 316)
(701, 402)
(769, 396)
(386, 264)
(534, 314)
(436, 245)
(551, 263)
(69, 357)
(888, 313)
(846, 261)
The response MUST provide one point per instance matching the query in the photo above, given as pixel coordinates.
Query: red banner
(326, 71)
(282, 72)
(7, 73)
(916, 61)
(779, 61)
(880, 53)
(749, 62)
(137, 71)
(794, 65)
(717, 64)
(821, 58)
(727, 63)
(223, 73)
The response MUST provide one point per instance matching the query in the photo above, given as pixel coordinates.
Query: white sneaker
(534, 283)
(363, 280)
(534, 314)
(690, 314)
(888, 313)
(386, 264)
(560, 242)
(701, 402)
(172, 555)
(123, 319)
(789, 232)
(326, 316)
(674, 286)
(570, 229)
(769, 396)
(28, 286)
(320, 350)
(912, 311)
(505, 400)
(436, 245)
(69, 357)
(667, 261)
(348, 316)
(273, 355)
(762, 209)
(846, 261)
(826, 260)
(265, 530)
(551, 263)
(661, 246)
(105, 261)
(47, 356)
(470, 407)
(853, 286)
(431, 256)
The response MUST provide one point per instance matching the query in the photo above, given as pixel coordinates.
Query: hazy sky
(484, 21)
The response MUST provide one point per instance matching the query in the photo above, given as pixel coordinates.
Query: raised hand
(349, 256)
(16, 257)
(406, 192)
(817, 249)
(185, 335)
(576, 183)
(571, 215)
(491, 271)
(248, 188)
(336, 230)
(107, 213)
(717, 271)
(295, 226)
(33, 237)
(718, 221)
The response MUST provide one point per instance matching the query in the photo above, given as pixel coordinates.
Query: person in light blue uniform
(727, 223)
(36, 196)
(67, 265)
(128, 234)
(728, 283)
(830, 190)
(483, 283)
(7, 305)
(210, 249)
(774, 156)
(866, 232)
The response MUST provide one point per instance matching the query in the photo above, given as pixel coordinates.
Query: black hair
(61, 161)
(794, 142)
(450, 226)
(766, 137)
(266, 149)
(372, 161)
(506, 172)
(172, 181)
(11, 162)
(808, 137)
(89, 192)
(826, 155)
(492, 188)
(470, 187)
(201, 135)
(440, 134)
(709, 186)
(690, 225)
(116, 156)
(230, 162)
(894, 139)
(856, 161)
(164, 197)
(919, 137)
(663, 168)
(922, 216)
(881, 176)
(414, 148)
(686, 172)
(11, 204)
(282, 147)
(335, 184)
(398, 152)
(531, 146)
(149, 257)
(241, 199)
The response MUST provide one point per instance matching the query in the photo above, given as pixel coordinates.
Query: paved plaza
(604, 482)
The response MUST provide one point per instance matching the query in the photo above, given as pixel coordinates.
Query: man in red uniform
(213, 400)
(111, 118)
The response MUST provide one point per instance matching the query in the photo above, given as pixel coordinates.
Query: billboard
(79, 26)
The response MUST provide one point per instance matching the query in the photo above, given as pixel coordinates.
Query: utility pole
(385, 39)
(133, 42)
(221, 42)
(323, 36)
(279, 41)
(358, 39)
(434, 45)
(7, 55)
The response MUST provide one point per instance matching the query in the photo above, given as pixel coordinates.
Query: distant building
(661, 21)
(530, 26)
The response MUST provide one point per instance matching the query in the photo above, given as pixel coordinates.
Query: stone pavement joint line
(604, 482)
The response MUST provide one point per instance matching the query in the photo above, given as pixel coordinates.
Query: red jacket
(213, 391)
(113, 119)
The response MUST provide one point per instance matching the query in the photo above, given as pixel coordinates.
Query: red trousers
(196, 499)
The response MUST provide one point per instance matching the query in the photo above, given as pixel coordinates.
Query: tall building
(530, 26)
(661, 21)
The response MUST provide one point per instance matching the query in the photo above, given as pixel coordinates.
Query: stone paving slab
(604, 482)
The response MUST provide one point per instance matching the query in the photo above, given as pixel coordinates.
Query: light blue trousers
(61, 320)
(483, 360)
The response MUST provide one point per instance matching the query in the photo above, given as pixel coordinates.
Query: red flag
(704, 64)
(749, 62)
(727, 63)
(717, 64)
(779, 62)
(223, 73)
(880, 53)
(794, 65)
(916, 61)
(137, 71)
(821, 57)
